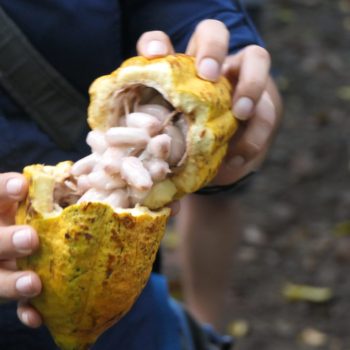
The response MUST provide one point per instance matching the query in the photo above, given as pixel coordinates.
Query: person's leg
(208, 226)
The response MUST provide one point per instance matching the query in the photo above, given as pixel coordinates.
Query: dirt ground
(297, 212)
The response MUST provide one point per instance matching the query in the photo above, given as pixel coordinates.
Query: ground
(297, 211)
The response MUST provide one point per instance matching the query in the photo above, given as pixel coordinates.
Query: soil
(296, 227)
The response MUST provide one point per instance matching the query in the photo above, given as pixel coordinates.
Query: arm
(208, 225)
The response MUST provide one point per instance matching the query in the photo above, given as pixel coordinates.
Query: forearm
(208, 226)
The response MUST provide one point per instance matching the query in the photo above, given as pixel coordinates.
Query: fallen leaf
(344, 92)
(286, 16)
(238, 328)
(299, 292)
(313, 337)
(342, 229)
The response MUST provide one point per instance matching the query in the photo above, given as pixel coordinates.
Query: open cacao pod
(158, 132)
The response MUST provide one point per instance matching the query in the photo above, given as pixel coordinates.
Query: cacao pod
(94, 259)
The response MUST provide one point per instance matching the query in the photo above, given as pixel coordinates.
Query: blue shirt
(84, 39)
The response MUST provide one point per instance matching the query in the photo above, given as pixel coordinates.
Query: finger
(251, 143)
(175, 208)
(154, 44)
(13, 188)
(209, 44)
(8, 265)
(28, 315)
(258, 132)
(17, 241)
(250, 68)
(7, 215)
(19, 284)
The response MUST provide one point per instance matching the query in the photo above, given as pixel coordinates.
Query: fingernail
(25, 317)
(14, 186)
(156, 48)
(22, 240)
(209, 69)
(236, 162)
(243, 108)
(24, 285)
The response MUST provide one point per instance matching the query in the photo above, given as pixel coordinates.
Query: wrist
(235, 187)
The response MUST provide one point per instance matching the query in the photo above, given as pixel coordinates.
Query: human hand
(256, 101)
(15, 242)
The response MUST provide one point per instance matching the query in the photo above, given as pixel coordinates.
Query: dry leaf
(313, 337)
(298, 292)
(238, 328)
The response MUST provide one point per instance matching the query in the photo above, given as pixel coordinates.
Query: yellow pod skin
(94, 260)
(206, 105)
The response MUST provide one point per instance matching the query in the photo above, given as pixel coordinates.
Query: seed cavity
(144, 144)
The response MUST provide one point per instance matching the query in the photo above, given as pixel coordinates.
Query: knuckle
(214, 31)
(256, 85)
(7, 285)
(4, 254)
(217, 46)
(250, 88)
(259, 52)
(252, 149)
(5, 244)
(257, 141)
(202, 25)
(209, 23)
(267, 121)
(154, 34)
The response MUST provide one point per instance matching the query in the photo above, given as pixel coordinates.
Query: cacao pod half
(94, 259)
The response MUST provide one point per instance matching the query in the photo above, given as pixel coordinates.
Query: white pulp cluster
(128, 159)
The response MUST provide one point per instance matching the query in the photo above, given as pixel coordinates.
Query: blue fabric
(178, 18)
(84, 39)
(151, 324)
(186, 336)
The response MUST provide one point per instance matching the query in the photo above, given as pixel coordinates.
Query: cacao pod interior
(57, 187)
(131, 97)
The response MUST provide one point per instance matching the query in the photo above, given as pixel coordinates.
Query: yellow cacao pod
(206, 106)
(94, 260)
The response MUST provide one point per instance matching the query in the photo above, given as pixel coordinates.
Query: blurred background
(291, 284)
